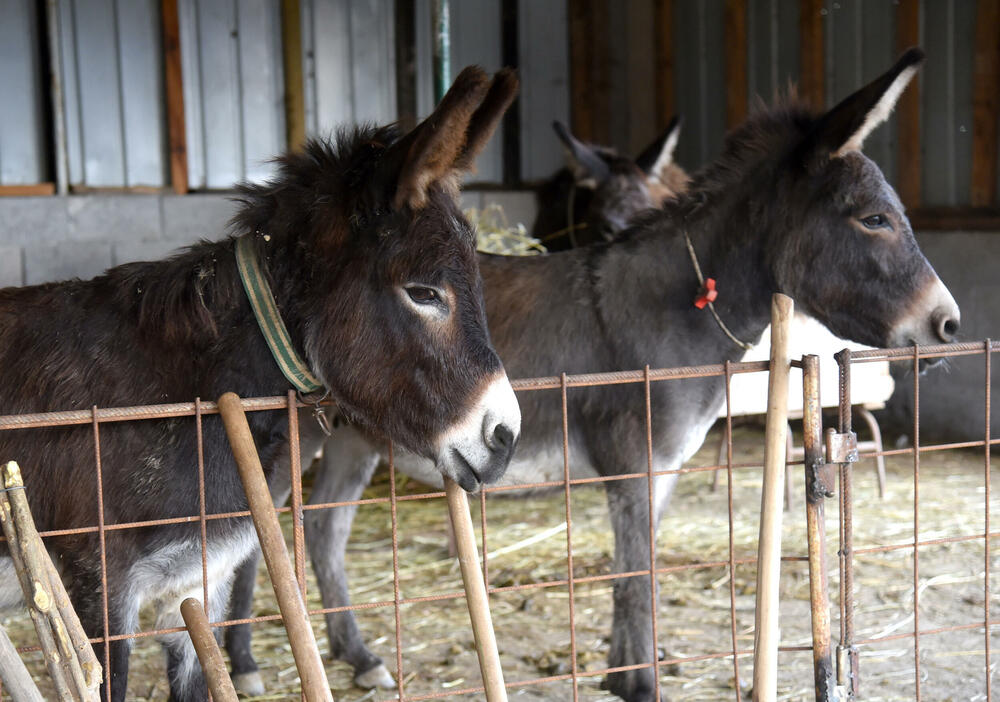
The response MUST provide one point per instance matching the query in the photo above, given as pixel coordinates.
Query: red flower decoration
(707, 294)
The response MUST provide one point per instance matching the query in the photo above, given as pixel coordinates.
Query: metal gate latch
(841, 448)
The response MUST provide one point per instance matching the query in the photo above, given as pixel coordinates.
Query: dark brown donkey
(600, 190)
(594, 196)
(374, 272)
(792, 206)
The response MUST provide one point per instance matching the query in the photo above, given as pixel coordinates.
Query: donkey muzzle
(478, 448)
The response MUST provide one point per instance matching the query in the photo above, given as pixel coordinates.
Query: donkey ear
(585, 162)
(845, 127)
(660, 154)
(484, 122)
(434, 145)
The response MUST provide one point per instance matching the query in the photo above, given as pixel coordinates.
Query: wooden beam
(909, 177)
(406, 64)
(985, 86)
(291, 54)
(955, 219)
(735, 28)
(174, 82)
(590, 81)
(27, 190)
(663, 18)
(812, 64)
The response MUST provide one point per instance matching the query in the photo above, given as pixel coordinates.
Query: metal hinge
(841, 448)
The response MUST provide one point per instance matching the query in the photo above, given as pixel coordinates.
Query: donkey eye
(423, 295)
(875, 221)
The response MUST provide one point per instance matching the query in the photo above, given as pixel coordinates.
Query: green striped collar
(269, 319)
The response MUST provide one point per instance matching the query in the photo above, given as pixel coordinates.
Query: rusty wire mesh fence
(552, 606)
(930, 632)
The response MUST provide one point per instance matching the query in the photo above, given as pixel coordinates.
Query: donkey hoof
(375, 677)
(250, 684)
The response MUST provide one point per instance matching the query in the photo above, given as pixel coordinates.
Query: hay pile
(494, 234)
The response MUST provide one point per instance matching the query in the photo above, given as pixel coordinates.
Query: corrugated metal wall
(233, 80)
(22, 137)
(233, 89)
(349, 60)
(112, 76)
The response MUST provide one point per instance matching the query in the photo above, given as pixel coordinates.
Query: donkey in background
(374, 272)
(612, 189)
(792, 206)
(597, 194)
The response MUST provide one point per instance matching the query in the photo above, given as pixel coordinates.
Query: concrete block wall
(44, 239)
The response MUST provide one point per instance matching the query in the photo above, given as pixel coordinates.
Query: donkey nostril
(503, 438)
(947, 327)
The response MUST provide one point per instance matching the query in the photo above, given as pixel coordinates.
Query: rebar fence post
(839, 451)
(819, 486)
(272, 542)
(765, 653)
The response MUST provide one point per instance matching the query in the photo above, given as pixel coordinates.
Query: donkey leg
(245, 674)
(327, 531)
(634, 597)
(123, 616)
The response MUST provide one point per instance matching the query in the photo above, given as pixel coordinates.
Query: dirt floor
(527, 541)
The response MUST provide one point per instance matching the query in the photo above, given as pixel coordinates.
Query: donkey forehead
(860, 183)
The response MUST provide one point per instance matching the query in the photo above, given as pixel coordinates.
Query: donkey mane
(181, 299)
(766, 137)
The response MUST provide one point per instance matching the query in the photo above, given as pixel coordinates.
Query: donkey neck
(648, 279)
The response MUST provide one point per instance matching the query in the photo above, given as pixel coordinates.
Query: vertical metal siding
(475, 40)
(22, 151)
(699, 80)
(233, 89)
(349, 54)
(113, 86)
(947, 101)
(860, 46)
(543, 45)
(772, 47)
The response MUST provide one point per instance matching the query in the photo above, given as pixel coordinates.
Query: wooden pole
(174, 88)
(475, 593)
(17, 681)
(207, 648)
(985, 104)
(272, 542)
(291, 45)
(765, 650)
(908, 164)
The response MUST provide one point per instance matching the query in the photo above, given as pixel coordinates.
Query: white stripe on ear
(666, 156)
(880, 113)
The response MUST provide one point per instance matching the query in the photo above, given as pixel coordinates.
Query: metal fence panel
(22, 150)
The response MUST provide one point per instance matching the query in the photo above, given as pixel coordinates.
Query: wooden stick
(16, 679)
(765, 653)
(86, 659)
(475, 593)
(272, 542)
(53, 659)
(39, 568)
(207, 648)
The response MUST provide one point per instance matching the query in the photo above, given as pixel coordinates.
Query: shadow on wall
(953, 395)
